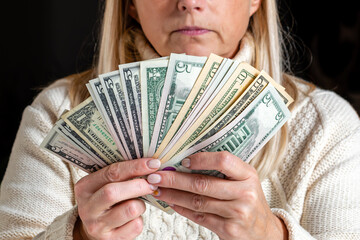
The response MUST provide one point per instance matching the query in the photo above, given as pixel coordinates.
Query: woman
(302, 185)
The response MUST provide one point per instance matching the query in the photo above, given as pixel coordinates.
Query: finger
(122, 213)
(113, 193)
(208, 220)
(230, 165)
(130, 230)
(196, 183)
(197, 203)
(116, 172)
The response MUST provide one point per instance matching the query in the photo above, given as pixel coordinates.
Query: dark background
(42, 41)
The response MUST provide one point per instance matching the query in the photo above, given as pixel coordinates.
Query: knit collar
(246, 49)
(245, 53)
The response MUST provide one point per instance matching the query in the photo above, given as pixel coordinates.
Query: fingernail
(152, 187)
(170, 204)
(185, 162)
(154, 178)
(154, 163)
(156, 193)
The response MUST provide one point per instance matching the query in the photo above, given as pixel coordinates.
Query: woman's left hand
(233, 208)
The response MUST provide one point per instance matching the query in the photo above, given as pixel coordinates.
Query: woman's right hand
(107, 203)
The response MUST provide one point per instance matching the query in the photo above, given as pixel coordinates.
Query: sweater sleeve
(332, 202)
(326, 201)
(37, 190)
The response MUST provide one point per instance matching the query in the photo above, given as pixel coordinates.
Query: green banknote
(130, 82)
(245, 135)
(153, 75)
(59, 145)
(181, 74)
(86, 120)
(104, 107)
(114, 95)
(233, 88)
(209, 70)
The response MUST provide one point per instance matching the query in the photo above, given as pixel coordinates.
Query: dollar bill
(130, 81)
(111, 84)
(209, 70)
(233, 88)
(86, 121)
(245, 135)
(64, 147)
(181, 74)
(60, 146)
(159, 204)
(103, 106)
(225, 70)
(152, 82)
(255, 88)
(65, 130)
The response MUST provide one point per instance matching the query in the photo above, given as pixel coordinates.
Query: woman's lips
(192, 31)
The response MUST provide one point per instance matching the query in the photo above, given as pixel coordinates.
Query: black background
(42, 41)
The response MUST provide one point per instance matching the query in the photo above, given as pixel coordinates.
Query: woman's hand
(107, 202)
(233, 208)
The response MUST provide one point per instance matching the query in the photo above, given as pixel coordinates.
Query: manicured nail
(156, 193)
(152, 187)
(154, 163)
(185, 162)
(171, 205)
(154, 178)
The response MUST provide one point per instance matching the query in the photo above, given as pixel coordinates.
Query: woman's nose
(191, 5)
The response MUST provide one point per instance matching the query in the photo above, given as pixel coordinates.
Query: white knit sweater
(316, 190)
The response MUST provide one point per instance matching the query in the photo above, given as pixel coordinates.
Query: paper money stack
(170, 108)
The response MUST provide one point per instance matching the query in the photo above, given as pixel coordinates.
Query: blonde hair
(266, 31)
(117, 46)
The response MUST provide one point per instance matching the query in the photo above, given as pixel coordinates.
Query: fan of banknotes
(170, 108)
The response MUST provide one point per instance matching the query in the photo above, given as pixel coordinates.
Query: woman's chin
(202, 50)
(195, 51)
